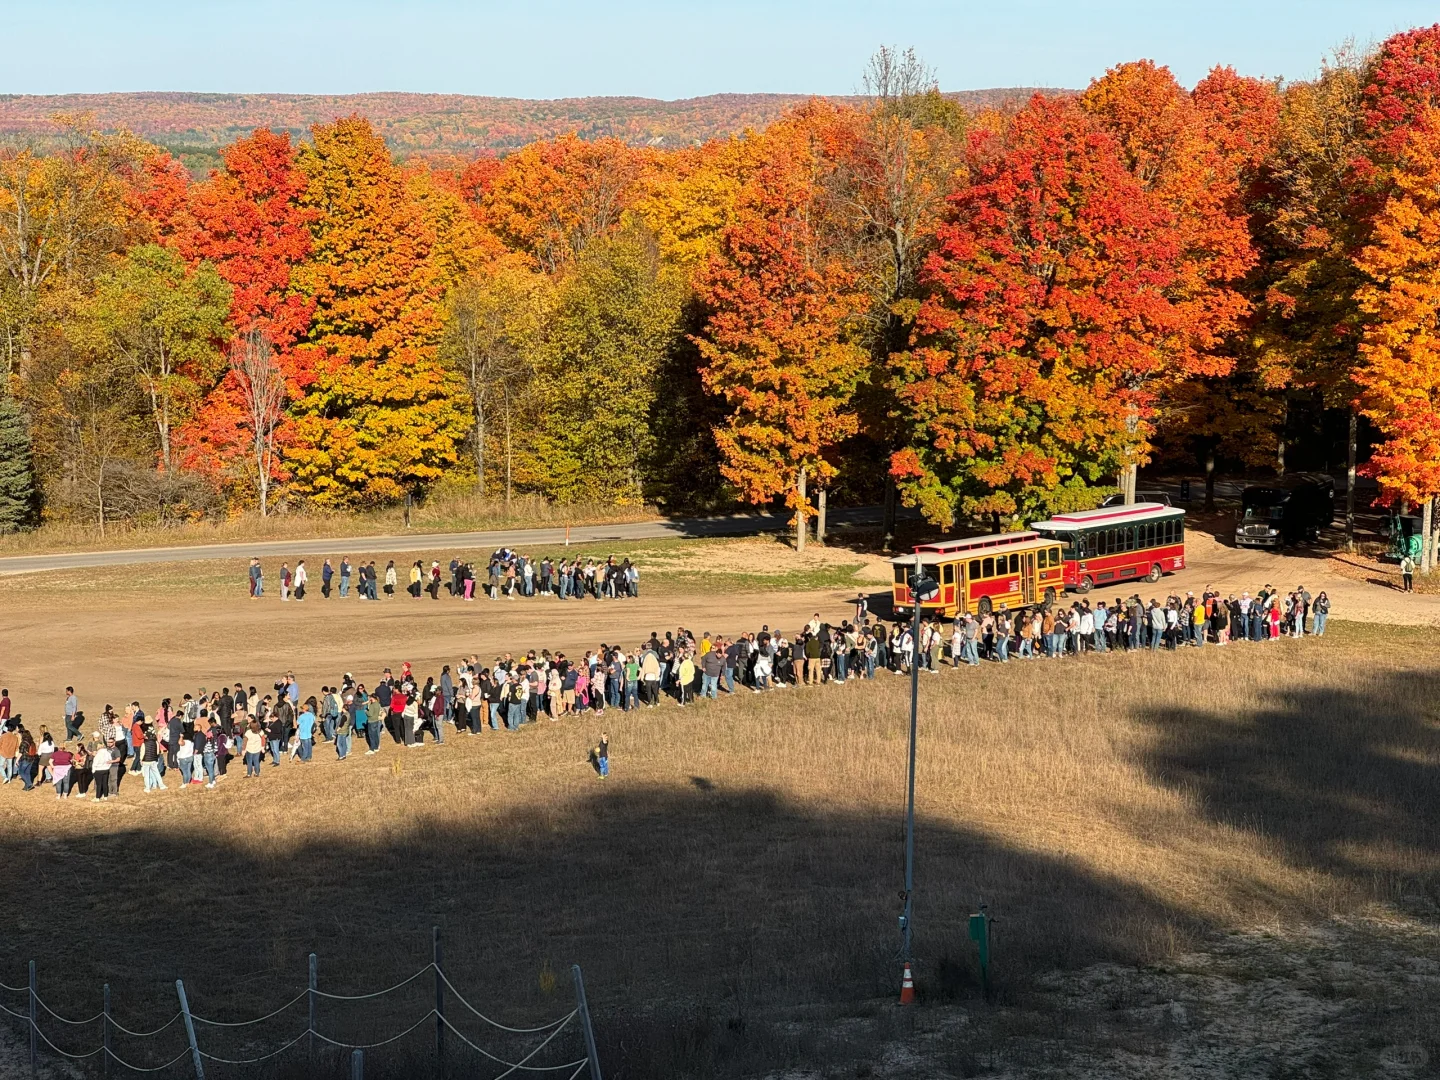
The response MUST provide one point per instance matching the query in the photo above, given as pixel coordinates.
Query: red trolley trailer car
(1118, 543)
(982, 573)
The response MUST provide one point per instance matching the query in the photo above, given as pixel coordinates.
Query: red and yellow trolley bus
(982, 573)
(1118, 543)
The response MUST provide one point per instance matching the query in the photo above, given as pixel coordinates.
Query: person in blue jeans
(602, 756)
(343, 728)
(305, 728)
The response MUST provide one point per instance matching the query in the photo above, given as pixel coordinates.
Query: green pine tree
(17, 484)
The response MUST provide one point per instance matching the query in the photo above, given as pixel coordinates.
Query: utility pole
(921, 589)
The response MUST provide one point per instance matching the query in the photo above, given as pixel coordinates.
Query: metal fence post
(190, 1030)
(357, 1065)
(584, 1010)
(439, 1008)
(34, 1043)
(311, 1028)
(105, 1054)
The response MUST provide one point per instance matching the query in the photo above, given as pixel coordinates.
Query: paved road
(682, 528)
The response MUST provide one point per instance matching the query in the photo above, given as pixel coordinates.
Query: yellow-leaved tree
(383, 416)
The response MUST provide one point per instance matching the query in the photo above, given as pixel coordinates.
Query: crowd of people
(507, 574)
(1080, 627)
(199, 737)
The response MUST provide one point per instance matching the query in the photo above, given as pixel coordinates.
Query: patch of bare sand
(769, 556)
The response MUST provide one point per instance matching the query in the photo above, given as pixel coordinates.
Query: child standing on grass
(602, 756)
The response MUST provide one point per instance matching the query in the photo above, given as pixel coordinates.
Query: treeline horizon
(986, 314)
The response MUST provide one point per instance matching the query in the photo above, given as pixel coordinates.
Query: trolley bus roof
(1108, 515)
(928, 557)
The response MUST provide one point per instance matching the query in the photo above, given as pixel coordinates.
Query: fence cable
(517, 1065)
(247, 1023)
(372, 1046)
(256, 1061)
(136, 1068)
(555, 1027)
(496, 1023)
(378, 993)
(74, 1023)
(143, 1034)
(73, 1057)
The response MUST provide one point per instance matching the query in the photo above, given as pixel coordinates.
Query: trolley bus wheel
(1154, 574)
(985, 606)
(1086, 584)
(1049, 595)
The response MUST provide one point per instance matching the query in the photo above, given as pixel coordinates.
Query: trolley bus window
(947, 574)
(974, 569)
(988, 569)
(902, 575)
(1015, 564)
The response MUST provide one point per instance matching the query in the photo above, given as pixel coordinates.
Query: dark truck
(1285, 511)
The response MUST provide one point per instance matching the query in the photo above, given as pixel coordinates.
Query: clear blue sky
(564, 48)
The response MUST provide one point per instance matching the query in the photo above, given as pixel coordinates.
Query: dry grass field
(1214, 863)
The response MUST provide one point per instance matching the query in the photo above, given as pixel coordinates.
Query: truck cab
(1288, 510)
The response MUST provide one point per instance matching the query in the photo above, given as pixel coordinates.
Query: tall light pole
(922, 588)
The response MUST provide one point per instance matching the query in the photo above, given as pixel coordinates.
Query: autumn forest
(986, 312)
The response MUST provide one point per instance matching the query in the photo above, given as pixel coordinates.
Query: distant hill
(424, 123)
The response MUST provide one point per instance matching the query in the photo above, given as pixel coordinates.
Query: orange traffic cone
(907, 987)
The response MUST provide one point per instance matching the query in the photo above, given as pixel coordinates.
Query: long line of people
(507, 574)
(198, 737)
(1080, 627)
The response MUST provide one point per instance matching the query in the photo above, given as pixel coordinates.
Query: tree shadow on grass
(1343, 781)
(693, 910)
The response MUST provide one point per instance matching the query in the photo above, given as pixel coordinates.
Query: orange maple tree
(779, 346)
(550, 199)
(1052, 314)
(382, 416)
(1399, 371)
(246, 220)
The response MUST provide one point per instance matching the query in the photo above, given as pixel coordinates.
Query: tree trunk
(888, 514)
(820, 516)
(1432, 534)
(1350, 482)
(1280, 442)
(1131, 472)
(165, 434)
(1426, 522)
(480, 450)
(1210, 482)
(509, 457)
(800, 520)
